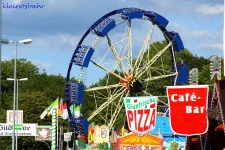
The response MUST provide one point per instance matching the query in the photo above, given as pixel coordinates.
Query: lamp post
(26, 41)
(16, 104)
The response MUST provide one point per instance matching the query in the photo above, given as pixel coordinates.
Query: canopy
(136, 141)
(163, 128)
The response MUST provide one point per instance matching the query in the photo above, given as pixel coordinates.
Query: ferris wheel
(127, 52)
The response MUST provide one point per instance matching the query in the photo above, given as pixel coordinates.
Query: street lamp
(17, 103)
(5, 41)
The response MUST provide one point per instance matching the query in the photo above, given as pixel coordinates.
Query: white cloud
(56, 42)
(213, 46)
(201, 34)
(208, 50)
(69, 39)
(188, 34)
(210, 10)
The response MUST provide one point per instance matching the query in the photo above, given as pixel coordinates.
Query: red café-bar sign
(188, 109)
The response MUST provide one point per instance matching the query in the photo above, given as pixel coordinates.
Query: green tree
(35, 95)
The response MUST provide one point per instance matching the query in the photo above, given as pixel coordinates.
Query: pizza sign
(141, 113)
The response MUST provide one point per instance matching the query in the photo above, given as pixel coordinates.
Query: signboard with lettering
(18, 118)
(141, 113)
(140, 147)
(188, 109)
(26, 129)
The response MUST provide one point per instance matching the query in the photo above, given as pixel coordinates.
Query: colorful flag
(48, 110)
(64, 112)
(60, 107)
(188, 109)
(74, 110)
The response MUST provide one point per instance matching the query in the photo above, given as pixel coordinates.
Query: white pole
(14, 99)
(17, 111)
(68, 126)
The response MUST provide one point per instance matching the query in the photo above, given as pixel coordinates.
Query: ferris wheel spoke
(116, 55)
(156, 71)
(129, 45)
(103, 87)
(105, 104)
(144, 46)
(94, 95)
(100, 94)
(100, 66)
(120, 22)
(161, 71)
(106, 122)
(142, 70)
(159, 77)
(116, 111)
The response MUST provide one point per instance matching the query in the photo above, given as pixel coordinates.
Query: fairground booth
(135, 141)
(170, 140)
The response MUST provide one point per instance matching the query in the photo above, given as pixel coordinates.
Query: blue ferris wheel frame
(82, 54)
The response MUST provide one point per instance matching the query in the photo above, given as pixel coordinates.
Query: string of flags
(61, 110)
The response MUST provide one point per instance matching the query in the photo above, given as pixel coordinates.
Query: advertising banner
(188, 109)
(141, 113)
(27, 129)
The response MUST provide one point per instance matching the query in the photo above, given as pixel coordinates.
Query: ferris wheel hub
(126, 80)
(131, 83)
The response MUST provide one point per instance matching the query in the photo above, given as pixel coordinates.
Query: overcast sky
(57, 27)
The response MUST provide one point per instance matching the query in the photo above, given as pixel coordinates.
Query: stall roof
(163, 128)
